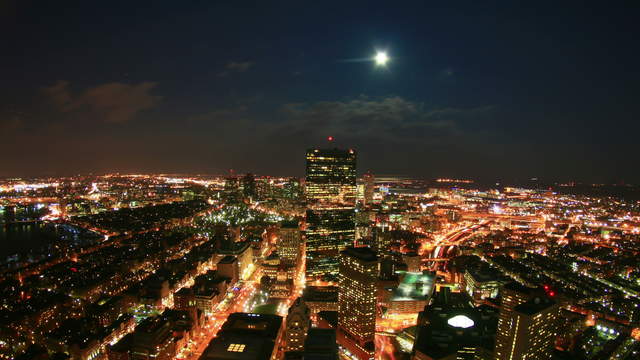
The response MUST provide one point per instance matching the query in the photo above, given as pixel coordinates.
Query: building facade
(357, 300)
(297, 326)
(330, 188)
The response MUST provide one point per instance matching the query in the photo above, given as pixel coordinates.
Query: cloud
(390, 117)
(236, 67)
(111, 103)
(360, 121)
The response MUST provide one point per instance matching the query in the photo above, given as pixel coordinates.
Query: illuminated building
(331, 193)
(232, 188)
(249, 186)
(382, 241)
(482, 284)
(289, 243)
(184, 299)
(368, 189)
(297, 325)
(323, 298)
(152, 339)
(331, 178)
(327, 233)
(534, 328)
(244, 254)
(357, 299)
(450, 328)
(246, 337)
(412, 294)
(517, 325)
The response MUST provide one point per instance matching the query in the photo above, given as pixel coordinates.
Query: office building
(368, 180)
(246, 336)
(289, 243)
(331, 178)
(534, 325)
(450, 328)
(321, 298)
(512, 294)
(357, 300)
(331, 193)
(297, 326)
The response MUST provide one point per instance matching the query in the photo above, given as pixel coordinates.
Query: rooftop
(362, 253)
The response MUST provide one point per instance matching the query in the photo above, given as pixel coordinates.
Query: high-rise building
(526, 322)
(357, 300)
(289, 243)
(331, 178)
(368, 189)
(249, 186)
(535, 329)
(451, 328)
(297, 326)
(512, 294)
(330, 186)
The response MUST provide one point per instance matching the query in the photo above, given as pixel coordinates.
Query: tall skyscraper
(249, 186)
(331, 195)
(536, 326)
(527, 324)
(368, 189)
(289, 243)
(357, 300)
(331, 178)
(297, 326)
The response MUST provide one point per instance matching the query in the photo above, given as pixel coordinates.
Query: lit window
(236, 347)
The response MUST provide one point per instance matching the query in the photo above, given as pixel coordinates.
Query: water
(24, 238)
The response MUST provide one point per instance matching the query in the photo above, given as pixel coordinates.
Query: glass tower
(330, 187)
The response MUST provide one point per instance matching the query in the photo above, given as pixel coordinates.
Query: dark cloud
(236, 67)
(111, 103)
(390, 117)
(10, 123)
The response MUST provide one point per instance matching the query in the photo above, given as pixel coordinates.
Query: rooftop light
(460, 321)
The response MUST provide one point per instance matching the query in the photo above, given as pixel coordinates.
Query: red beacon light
(330, 138)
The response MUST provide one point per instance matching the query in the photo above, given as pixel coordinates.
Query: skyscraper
(368, 189)
(357, 300)
(249, 186)
(526, 325)
(331, 195)
(535, 329)
(331, 178)
(289, 243)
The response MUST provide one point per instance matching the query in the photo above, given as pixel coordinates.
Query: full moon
(381, 58)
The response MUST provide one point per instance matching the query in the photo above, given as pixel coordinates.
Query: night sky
(477, 90)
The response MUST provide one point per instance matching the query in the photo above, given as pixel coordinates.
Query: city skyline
(465, 92)
(134, 267)
(319, 181)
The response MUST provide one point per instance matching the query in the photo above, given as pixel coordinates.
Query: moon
(381, 58)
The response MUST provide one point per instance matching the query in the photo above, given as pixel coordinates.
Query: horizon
(471, 90)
